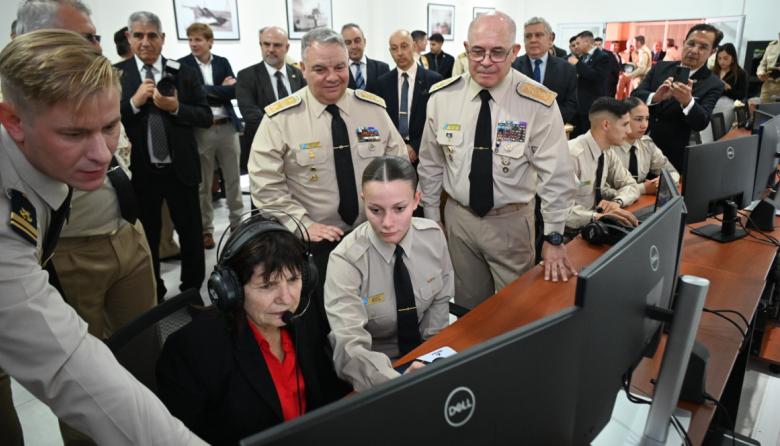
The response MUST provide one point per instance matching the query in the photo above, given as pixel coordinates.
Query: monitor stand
(727, 231)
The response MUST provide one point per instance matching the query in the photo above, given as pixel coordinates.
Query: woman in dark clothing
(262, 362)
(734, 78)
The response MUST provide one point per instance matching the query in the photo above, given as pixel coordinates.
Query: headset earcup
(225, 289)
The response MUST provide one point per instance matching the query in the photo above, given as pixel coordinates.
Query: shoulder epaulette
(536, 93)
(23, 219)
(423, 224)
(441, 85)
(357, 249)
(370, 97)
(282, 104)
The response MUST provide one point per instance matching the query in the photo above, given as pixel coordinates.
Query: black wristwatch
(554, 238)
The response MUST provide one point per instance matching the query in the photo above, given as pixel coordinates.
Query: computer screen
(614, 293)
(667, 189)
(769, 147)
(773, 108)
(716, 172)
(759, 118)
(516, 387)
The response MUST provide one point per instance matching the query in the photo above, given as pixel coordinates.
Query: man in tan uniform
(604, 186)
(768, 72)
(312, 147)
(493, 141)
(43, 343)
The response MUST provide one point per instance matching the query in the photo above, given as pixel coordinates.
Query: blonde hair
(49, 66)
(200, 28)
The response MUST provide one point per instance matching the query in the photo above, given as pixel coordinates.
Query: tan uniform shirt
(45, 345)
(769, 60)
(585, 153)
(643, 61)
(291, 165)
(97, 212)
(530, 152)
(360, 298)
(461, 65)
(649, 158)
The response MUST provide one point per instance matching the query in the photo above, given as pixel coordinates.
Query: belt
(220, 121)
(511, 207)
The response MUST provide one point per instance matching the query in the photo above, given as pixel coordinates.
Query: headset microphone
(288, 317)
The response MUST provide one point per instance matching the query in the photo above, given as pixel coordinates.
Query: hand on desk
(651, 186)
(414, 366)
(556, 263)
(620, 216)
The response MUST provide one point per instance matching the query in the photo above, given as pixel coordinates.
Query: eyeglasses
(94, 38)
(497, 55)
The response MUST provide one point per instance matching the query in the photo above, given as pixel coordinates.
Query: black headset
(600, 232)
(225, 288)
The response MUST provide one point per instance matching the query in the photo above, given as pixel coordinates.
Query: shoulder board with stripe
(370, 97)
(23, 218)
(536, 93)
(441, 85)
(283, 104)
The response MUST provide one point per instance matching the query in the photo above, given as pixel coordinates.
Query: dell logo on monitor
(459, 406)
(730, 153)
(655, 258)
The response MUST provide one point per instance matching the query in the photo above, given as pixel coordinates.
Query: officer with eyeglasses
(493, 140)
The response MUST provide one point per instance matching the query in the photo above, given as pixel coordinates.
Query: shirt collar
(543, 58)
(157, 65)
(387, 250)
(272, 70)
(411, 71)
(497, 92)
(319, 108)
(362, 60)
(53, 192)
(211, 57)
(593, 146)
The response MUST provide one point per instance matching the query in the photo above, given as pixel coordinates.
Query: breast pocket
(372, 149)
(310, 157)
(426, 292)
(381, 315)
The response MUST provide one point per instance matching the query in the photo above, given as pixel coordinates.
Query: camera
(167, 85)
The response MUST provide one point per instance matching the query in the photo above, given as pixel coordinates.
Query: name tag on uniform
(511, 131)
(309, 147)
(375, 299)
(367, 134)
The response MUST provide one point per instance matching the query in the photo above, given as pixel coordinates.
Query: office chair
(138, 344)
(718, 122)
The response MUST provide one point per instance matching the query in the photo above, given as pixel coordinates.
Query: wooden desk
(737, 273)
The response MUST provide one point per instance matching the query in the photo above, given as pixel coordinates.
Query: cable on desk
(720, 406)
(731, 321)
(744, 319)
(769, 238)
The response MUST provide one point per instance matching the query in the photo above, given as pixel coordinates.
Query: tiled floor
(757, 415)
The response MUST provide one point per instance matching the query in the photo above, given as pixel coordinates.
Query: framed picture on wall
(441, 19)
(305, 15)
(479, 11)
(220, 15)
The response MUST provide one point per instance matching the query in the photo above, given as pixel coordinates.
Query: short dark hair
(572, 39)
(633, 102)
(437, 37)
(640, 39)
(610, 105)
(418, 35)
(390, 168)
(120, 40)
(586, 34)
(277, 251)
(706, 27)
(598, 39)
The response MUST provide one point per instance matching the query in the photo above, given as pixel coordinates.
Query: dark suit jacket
(217, 382)
(443, 61)
(193, 111)
(591, 80)
(218, 95)
(659, 56)
(559, 76)
(386, 87)
(739, 85)
(254, 92)
(669, 127)
(615, 68)
(374, 69)
(559, 52)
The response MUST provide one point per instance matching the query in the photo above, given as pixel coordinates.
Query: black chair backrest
(138, 344)
(718, 126)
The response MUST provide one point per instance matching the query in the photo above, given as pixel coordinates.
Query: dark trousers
(183, 202)
(321, 252)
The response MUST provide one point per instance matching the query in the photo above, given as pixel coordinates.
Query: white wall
(379, 18)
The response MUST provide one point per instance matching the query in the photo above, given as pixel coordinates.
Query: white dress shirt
(272, 74)
(412, 73)
(363, 69)
(157, 68)
(208, 79)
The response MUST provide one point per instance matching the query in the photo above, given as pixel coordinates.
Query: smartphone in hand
(681, 74)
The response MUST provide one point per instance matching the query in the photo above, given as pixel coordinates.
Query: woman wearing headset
(261, 362)
(389, 281)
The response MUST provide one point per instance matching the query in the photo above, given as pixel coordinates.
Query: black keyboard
(644, 213)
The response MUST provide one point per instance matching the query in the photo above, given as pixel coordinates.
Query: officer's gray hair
(323, 36)
(510, 23)
(537, 20)
(42, 14)
(266, 28)
(144, 17)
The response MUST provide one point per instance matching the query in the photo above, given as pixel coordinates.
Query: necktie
(58, 217)
(481, 175)
(597, 181)
(345, 172)
(360, 83)
(633, 164)
(128, 206)
(156, 126)
(537, 70)
(436, 63)
(281, 91)
(403, 114)
(406, 309)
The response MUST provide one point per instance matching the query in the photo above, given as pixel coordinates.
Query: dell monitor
(615, 293)
(759, 118)
(719, 177)
(769, 147)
